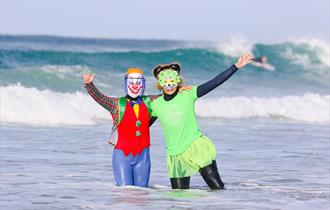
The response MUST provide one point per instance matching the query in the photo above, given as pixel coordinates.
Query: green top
(178, 120)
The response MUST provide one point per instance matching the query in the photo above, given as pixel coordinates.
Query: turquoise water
(41, 75)
(44, 62)
(271, 128)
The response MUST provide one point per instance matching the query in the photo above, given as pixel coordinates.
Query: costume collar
(133, 101)
(170, 97)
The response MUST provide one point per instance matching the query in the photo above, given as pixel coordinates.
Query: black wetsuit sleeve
(216, 81)
(152, 120)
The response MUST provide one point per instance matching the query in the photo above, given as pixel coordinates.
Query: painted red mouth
(134, 90)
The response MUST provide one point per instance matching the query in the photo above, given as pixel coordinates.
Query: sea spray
(21, 105)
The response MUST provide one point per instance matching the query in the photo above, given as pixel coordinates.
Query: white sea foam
(65, 71)
(309, 107)
(306, 61)
(235, 46)
(321, 47)
(22, 105)
(238, 45)
(311, 69)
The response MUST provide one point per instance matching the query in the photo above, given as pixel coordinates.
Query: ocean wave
(31, 106)
(320, 47)
(235, 46)
(21, 105)
(89, 45)
(310, 107)
(300, 64)
(63, 72)
(301, 51)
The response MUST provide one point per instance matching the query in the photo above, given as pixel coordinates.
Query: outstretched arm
(109, 103)
(181, 89)
(210, 85)
(153, 97)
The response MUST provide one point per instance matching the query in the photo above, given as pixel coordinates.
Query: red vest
(133, 132)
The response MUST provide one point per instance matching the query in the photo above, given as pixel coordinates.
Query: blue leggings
(129, 170)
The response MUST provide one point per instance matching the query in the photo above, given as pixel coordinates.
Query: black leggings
(210, 175)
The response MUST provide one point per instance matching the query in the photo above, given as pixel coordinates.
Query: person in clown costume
(131, 116)
(188, 150)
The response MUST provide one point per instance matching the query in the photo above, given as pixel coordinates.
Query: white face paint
(134, 85)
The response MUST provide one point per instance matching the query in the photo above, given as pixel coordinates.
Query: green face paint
(168, 78)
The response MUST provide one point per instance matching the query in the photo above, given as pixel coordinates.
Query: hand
(88, 78)
(184, 88)
(243, 60)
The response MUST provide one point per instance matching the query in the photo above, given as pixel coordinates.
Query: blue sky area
(257, 20)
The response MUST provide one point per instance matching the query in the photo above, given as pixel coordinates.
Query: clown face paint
(134, 84)
(168, 79)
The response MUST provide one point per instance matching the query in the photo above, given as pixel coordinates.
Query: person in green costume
(188, 150)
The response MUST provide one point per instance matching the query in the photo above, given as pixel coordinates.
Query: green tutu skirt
(199, 154)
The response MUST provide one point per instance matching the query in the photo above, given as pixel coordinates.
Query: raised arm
(109, 103)
(153, 97)
(210, 85)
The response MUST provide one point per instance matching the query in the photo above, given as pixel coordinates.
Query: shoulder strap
(147, 102)
(121, 108)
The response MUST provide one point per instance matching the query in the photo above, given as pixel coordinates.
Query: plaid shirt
(109, 103)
